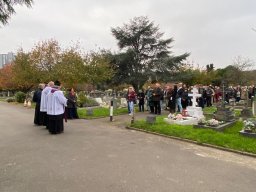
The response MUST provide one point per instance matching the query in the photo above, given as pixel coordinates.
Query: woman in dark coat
(72, 105)
(38, 118)
(141, 97)
(172, 99)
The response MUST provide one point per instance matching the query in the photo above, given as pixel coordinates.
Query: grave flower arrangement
(202, 121)
(213, 122)
(249, 126)
(176, 117)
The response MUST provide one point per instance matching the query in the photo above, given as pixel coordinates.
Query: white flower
(202, 121)
(213, 122)
(249, 125)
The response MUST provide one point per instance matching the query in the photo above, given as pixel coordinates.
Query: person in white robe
(43, 104)
(56, 103)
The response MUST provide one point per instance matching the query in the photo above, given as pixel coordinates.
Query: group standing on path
(52, 107)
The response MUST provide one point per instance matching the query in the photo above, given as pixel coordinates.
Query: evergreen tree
(145, 54)
(7, 8)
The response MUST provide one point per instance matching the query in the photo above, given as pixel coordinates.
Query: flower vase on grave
(184, 113)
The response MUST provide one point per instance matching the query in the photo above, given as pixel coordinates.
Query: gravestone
(99, 100)
(193, 110)
(254, 106)
(114, 103)
(183, 121)
(224, 113)
(151, 119)
(89, 111)
(194, 95)
(246, 112)
(123, 102)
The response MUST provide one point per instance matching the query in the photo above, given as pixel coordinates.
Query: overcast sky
(213, 31)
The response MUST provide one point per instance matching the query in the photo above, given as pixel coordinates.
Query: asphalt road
(103, 156)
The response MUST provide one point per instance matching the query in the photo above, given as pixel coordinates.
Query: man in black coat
(38, 118)
(157, 94)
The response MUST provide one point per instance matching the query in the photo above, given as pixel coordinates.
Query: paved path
(102, 156)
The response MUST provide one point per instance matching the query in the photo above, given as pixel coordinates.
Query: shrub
(90, 103)
(20, 97)
(10, 99)
(83, 101)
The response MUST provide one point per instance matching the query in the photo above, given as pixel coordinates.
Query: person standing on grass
(131, 97)
(180, 91)
(157, 95)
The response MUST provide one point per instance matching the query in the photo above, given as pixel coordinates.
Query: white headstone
(185, 121)
(99, 100)
(123, 102)
(196, 112)
(193, 110)
(194, 95)
(254, 107)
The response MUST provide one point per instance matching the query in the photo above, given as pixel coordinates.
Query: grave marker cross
(194, 95)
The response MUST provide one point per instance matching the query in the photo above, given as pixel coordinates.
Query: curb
(194, 142)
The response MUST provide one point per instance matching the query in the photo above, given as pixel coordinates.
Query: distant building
(6, 58)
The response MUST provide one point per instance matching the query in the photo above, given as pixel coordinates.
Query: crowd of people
(52, 106)
(175, 97)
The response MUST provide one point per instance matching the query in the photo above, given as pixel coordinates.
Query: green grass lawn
(230, 138)
(100, 112)
(3, 98)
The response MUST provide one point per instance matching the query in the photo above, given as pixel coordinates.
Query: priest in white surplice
(56, 102)
(43, 104)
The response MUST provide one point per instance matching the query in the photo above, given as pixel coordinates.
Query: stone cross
(194, 95)
(223, 94)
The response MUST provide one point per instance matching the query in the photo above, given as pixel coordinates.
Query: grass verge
(230, 138)
(100, 112)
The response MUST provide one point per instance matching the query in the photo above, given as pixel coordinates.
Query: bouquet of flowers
(179, 117)
(249, 126)
(175, 117)
(202, 121)
(213, 122)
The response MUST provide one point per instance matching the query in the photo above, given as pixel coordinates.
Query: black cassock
(38, 118)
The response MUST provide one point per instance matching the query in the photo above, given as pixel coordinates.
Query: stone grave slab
(196, 112)
(220, 127)
(151, 119)
(247, 134)
(184, 121)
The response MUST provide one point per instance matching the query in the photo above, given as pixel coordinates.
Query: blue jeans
(178, 102)
(131, 106)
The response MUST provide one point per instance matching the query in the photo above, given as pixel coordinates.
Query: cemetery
(223, 126)
(97, 85)
(94, 96)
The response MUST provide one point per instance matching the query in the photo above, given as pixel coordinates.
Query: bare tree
(242, 63)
